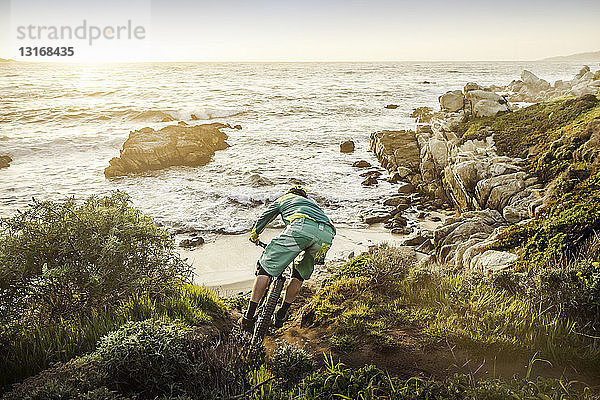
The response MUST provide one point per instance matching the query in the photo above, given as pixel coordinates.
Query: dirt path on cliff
(414, 356)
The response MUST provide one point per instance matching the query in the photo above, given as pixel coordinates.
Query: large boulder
(495, 192)
(487, 104)
(584, 70)
(488, 108)
(456, 231)
(396, 149)
(452, 101)
(493, 260)
(148, 149)
(476, 95)
(533, 82)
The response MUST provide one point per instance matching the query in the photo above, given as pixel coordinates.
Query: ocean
(62, 123)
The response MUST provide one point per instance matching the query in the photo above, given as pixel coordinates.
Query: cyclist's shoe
(247, 324)
(278, 322)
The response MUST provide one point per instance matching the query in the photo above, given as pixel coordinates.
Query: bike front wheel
(264, 321)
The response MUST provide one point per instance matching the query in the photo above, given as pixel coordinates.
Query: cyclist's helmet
(299, 190)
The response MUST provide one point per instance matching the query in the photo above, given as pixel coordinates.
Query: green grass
(29, 350)
(477, 313)
(335, 381)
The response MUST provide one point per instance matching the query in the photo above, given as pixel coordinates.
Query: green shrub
(505, 315)
(291, 363)
(151, 359)
(561, 233)
(72, 271)
(147, 357)
(27, 350)
(68, 258)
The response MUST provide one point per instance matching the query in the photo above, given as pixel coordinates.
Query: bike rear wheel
(264, 320)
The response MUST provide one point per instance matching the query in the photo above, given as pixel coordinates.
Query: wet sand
(227, 264)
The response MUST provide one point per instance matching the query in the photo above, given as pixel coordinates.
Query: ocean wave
(201, 114)
(152, 116)
(205, 114)
(100, 93)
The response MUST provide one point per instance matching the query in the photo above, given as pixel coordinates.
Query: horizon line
(8, 60)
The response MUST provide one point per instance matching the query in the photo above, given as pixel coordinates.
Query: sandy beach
(227, 263)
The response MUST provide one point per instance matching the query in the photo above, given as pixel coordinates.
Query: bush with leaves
(291, 363)
(147, 357)
(58, 259)
(148, 360)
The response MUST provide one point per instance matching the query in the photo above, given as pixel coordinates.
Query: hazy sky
(325, 30)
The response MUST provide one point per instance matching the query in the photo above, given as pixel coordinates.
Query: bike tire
(265, 319)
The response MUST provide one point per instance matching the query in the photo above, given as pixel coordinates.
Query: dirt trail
(413, 356)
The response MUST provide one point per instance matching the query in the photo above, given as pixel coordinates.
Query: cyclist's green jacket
(291, 206)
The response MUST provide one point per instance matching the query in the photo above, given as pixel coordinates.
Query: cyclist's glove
(254, 237)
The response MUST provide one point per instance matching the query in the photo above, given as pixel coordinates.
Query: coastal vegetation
(96, 304)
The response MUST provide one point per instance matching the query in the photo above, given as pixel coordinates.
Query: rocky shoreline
(439, 167)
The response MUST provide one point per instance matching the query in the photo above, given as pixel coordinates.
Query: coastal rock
(477, 95)
(455, 232)
(373, 172)
(397, 221)
(404, 172)
(452, 101)
(192, 242)
(257, 180)
(406, 188)
(425, 247)
(362, 164)
(493, 260)
(148, 149)
(495, 192)
(347, 146)
(395, 201)
(487, 104)
(404, 230)
(5, 161)
(370, 181)
(584, 70)
(471, 86)
(532, 89)
(415, 241)
(396, 149)
(376, 217)
(391, 106)
(533, 82)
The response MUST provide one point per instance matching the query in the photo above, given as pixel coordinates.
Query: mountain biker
(308, 231)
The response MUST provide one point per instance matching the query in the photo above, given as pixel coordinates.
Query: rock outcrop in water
(148, 149)
(5, 161)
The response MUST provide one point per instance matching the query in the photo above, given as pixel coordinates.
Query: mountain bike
(266, 308)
